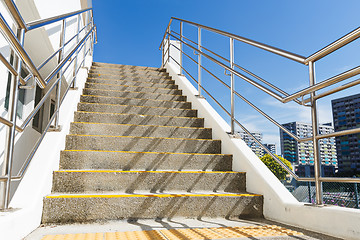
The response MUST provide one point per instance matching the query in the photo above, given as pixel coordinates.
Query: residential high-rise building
(271, 147)
(255, 147)
(302, 154)
(346, 115)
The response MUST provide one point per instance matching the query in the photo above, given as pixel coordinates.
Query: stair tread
(115, 136)
(100, 96)
(109, 84)
(142, 171)
(111, 90)
(90, 150)
(142, 125)
(149, 194)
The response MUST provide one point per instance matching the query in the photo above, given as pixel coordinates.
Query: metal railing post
(87, 29)
(162, 56)
(10, 135)
(232, 87)
(168, 50)
(315, 132)
(77, 53)
(181, 48)
(356, 192)
(60, 75)
(199, 62)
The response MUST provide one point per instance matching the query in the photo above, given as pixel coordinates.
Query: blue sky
(129, 32)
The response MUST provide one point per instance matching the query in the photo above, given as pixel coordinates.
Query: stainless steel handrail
(198, 50)
(278, 51)
(15, 14)
(62, 66)
(42, 22)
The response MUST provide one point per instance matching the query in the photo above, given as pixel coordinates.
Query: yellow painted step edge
(154, 195)
(126, 124)
(109, 136)
(99, 96)
(141, 171)
(139, 114)
(209, 154)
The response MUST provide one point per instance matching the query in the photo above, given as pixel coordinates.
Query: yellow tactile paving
(155, 235)
(184, 234)
(78, 236)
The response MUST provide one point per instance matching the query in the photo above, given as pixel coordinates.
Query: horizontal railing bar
(60, 48)
(8, 65)
(42, 22)
(346, 39)
(243, 69)
(334, 90)
(15, 13)
(244, 99)
(6, 122)
(339, 179)
(63, 62)
(166, 31)
(278, 51)
(20, 51)
(261, 87)
(266, 149)
(333, 134)
(328, 82)
(55, 71)
(31, 155)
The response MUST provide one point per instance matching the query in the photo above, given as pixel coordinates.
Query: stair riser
(93, 209)
(133, 83)
(155, 80)
(167, 97)
(128, 72)
(143, 161)
(138, 119)
(176, 112)
(97, 65)
(135, 102)
(132, 88)
(130, 182)
(74, 142)
(139, 131)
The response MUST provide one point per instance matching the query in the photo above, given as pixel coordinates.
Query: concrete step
(142, 144)
(131, 74)
(89, 159)
(132, 83)
(114, 93)
(133, 88)
(166, 80)
(116, 108)
(83, 181)
(125, 118)
(135, 101)
(125, 67)
(61, 208)
(83, 128)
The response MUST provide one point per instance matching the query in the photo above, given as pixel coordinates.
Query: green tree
(275, 167)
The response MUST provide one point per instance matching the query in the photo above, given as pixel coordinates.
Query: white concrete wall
(279, 204)
(26, 202)
(39, 44)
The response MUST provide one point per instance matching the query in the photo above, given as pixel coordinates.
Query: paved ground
(180, 229)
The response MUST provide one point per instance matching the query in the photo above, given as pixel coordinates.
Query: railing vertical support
(10, 135)
(60, 75)
(315, 132)
(86, 21)
(168, 43)
(199, 62)
(356, 192)
(232, 86)
(162, 55)
(181, 48)
(77, 52)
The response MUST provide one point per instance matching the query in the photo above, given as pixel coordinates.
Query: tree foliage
(275, 167)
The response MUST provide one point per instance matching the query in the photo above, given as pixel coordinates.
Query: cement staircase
(138, 150)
